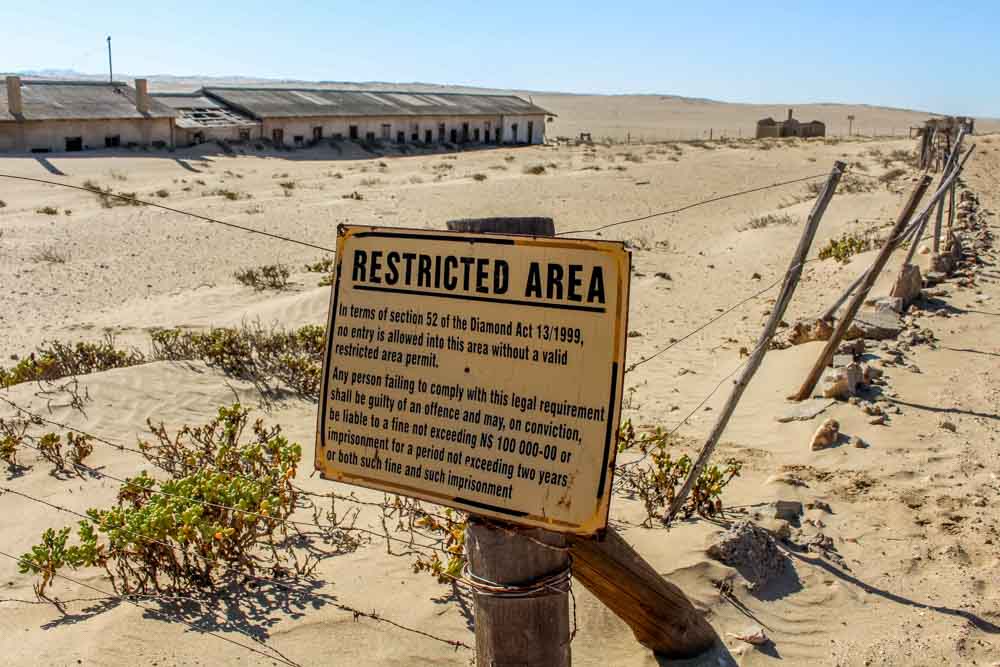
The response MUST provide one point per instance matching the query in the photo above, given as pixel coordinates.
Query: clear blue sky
(931, 56)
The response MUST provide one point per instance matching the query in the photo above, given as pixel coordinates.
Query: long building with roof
(53, 116)
(39, 116)
(296, 116)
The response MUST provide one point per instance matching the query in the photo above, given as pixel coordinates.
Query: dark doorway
(465, 133)
(401, 137)
(114, 141)
(498, 136)
(278, 137)
(299, 140)
(74, 143)
(531, 131)
(318, 134)
(428, 136)
(513, 133)
(415, 135)
(475, 135)
(352, 132)
(441, 132)
(454, 136)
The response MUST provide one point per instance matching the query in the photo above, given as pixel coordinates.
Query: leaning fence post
(515, 627)
(777, 313)
(805, 391)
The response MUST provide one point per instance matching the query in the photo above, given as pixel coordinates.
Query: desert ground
(907, 528)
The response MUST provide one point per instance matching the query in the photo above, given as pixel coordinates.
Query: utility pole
(111, 72)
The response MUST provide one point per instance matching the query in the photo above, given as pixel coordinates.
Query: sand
(911, 578)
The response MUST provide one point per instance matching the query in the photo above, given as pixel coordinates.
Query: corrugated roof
(79, 100)
(195, 110)
(302, 102)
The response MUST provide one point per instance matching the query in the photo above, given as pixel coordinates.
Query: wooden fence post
(660, 615)
(805, 391)
(532, 630)
(757, 356)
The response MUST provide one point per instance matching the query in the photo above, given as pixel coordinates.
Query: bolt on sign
(477, 371)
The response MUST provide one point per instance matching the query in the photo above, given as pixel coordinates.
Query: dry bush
(54, 360)
(371, 182)
(287, 185)
(892, 175)
(262, 356)
(535, 170)
(50, 254)
(657, 476)
(479, 177)
(3, 204)
(231, 195)
(109, 198)
(771, 220)
(47, 210)
(269, 276)
(162, 193)
(324, 265)
(353, 195)
(444, 531)
(849, 184)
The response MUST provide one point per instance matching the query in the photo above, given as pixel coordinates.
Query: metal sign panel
(477, 371)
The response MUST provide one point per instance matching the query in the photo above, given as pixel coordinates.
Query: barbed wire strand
(204, 218)
(686, 207)
(270, 656)
(456, 644)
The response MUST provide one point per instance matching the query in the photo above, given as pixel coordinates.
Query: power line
(204, 218)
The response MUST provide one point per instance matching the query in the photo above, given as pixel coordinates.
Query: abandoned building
(43, 116)
(200, 119)
(768, 127)
(298, 117)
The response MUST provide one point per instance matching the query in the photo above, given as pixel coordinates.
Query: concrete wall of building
(51, 135)
(387, 128)
(189, 136)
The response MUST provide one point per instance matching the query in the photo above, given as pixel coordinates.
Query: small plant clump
(534, 170)
(111, 199)
(220, 513)
(479, 177)
(50, 254)
(771, 220)
(54, 360)
(324, 265)
(47, 210)
(163, 193)
(848, 245)
(270, 276)
(657, 481)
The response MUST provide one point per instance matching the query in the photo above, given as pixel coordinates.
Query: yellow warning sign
(478, 371)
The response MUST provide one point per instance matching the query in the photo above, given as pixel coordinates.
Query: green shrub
(294, 358)
(657, 477)
(848, 245)
(270, 276)
(179, 534)
(54, 360)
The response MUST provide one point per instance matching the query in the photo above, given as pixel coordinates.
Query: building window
(299, 139)
(401, 137)
(465, 133)
(513, 132)
(428, 136)
(318, 134)
(244, 135)
(486, 131)
(352, 132)
(278, 136)
(114, 141)
(454, 136)
(386, 131)
(415, 134)
(370, 137)
(441, 132)
(74, 143)
(475, 135)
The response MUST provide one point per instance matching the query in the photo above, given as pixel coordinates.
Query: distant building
(768, 127)
(44, 116)
(297, 117)
(200, 119)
